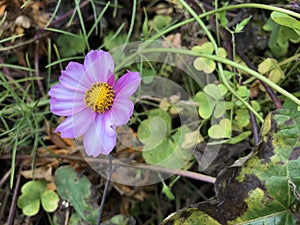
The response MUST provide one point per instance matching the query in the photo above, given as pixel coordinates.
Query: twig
(37, 70)
(184, 173)
(105, 189)
(12, 211)
(5, 177)
(4, 201)
(240, 82)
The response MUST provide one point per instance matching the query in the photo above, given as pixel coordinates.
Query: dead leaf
(43, 172)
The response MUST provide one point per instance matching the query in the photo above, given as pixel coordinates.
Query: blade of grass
(82, 24)
(97, 20)
(54, 13)
(131, 23)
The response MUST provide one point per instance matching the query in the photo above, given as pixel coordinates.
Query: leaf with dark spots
(295, 154)
(78, 191)
(257, 191)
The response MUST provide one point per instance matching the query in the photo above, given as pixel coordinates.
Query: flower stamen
(99, 97)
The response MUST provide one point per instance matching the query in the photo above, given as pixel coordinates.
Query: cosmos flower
(92, 102)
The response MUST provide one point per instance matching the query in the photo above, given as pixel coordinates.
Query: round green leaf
(243, 91)
(223, 89)
(207, 48)
(29, 201)
(204, 64)
(275, 75)
(242, 117)
(49, 200)
(159, 153)
(267, 65)
(29, 206)
(220, 109)
(214, 91)
(152, 132)
(205, 105)
(34, 188)
(161, 21)
(222, 52)
(221, 130)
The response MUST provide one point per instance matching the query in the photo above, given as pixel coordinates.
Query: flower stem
(105, 189)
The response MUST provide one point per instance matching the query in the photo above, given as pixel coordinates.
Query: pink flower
(93, 103)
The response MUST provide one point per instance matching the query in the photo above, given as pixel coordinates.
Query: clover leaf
(283, 29)
(161, 147)
(211, 101)
(33, 194)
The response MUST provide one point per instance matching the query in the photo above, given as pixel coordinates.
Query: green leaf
(276, 75)
(152, 132)
(223, 18)
(169, 152)
(207, 48)
(286, 20)
(32, 193)
(239, 138)
(243, 92)
(78, 191)
(204, 64)
(267, 65)
(222, 52)
(242, 117)
(70, 45)
(221, 130)
(215, 91)
(159, 153)
(145, 27)
(240, 26)
(29, 205)
(280, 37)
(155, 129)
(120, 220)
(191, 139)
(256, 189)
(167, 191)
(49, 200)
(160, 22)
(220, 109)
(112, 40)
(206, 105)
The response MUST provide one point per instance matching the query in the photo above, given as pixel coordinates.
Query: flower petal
(74, 77)
(64, 101)
(127, 84)
(77, 124)
(63, 107)
(100, 138)
(61, 92)
(98, 65)
(120, 111)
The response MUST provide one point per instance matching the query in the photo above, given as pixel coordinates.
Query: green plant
(262, 188)
(35, 193)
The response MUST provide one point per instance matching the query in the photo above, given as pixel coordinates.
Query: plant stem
(220, 67)
(105, 188)
(221, 60)
(226, 8)
(269, 90)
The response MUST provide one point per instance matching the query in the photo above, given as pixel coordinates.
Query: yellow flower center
(99, 97)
